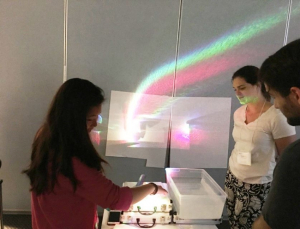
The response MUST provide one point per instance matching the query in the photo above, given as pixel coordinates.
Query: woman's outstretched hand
(139, 193)
(161, 191)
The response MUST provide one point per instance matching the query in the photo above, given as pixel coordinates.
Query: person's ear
(295, 94)
(267, 87)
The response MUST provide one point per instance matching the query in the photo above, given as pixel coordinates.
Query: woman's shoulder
(278, 123)
(241, 109)
(81, 169)
(240, 113)
(275, 114)
(78, 164)
(271, 112)
(272, 109)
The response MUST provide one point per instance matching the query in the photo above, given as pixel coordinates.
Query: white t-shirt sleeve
(280, 127)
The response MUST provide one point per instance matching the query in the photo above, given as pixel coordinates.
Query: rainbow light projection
(214, 49)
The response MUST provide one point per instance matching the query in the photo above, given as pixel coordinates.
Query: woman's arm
(282, 143)
(96, 188)
(260, 223)
(139, 193)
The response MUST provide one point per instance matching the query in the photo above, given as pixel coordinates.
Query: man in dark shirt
(281, 75)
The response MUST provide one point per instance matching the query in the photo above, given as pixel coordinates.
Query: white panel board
(200, 132)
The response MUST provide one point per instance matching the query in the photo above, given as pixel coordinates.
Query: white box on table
(195, 194)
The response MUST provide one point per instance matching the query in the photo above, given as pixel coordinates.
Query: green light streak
(218, 47)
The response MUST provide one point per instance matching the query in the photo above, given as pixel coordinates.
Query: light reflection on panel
(200, 132)
(117, 44)
(220, 56)
(197, 123)
(215, 43)
(143, 136)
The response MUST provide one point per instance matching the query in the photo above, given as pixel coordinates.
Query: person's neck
(256, 107)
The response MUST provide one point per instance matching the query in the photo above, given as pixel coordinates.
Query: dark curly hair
(281, 71)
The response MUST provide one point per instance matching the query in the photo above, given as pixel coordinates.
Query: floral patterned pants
(244, 202)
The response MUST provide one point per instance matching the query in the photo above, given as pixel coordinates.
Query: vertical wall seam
(287, 24)
(168, 152)
(177, 47)
(65, 72)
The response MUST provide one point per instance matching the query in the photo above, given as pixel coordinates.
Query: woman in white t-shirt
(260, 133)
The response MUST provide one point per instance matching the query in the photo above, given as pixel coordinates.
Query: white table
(158, 226)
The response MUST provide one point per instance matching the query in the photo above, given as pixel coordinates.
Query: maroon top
(64, 209)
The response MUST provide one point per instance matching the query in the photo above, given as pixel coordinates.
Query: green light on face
(247, 99)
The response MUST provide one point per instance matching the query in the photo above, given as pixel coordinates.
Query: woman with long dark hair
(66, 173)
